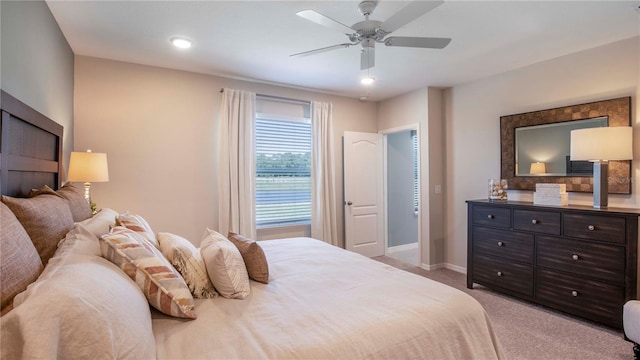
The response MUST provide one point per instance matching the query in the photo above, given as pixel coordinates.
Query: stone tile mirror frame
(617, 110)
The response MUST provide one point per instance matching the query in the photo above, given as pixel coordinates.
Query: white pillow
(184, 256)
(224, 265)
(82, 307)
(101, 222)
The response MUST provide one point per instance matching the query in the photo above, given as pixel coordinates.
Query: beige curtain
(236, 190)
(323, 193)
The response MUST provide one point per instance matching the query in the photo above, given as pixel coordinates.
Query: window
(283, 164)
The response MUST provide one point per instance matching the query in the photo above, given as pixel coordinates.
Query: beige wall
(37, 64)
(423, 107)
(472, 123)
(160, 129)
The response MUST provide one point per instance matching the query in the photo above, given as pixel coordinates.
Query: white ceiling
(252, 40)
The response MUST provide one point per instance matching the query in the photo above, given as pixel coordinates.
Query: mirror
(535, 146)
(543, 150)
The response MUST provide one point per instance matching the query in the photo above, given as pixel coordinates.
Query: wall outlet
(438, 189)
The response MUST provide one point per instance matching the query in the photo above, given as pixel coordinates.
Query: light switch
(438, 189)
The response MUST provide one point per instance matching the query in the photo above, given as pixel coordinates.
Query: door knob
(349, 203)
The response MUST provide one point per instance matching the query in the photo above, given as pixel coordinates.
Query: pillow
(101, 222)
(184, 256)
(79, 206)
(138, 224)
(225, 266)
(159, 281)
(20, 264)
(82, 307)
(45, 217)
(253, 257)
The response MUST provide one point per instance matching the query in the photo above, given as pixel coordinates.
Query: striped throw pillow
(138, 224)
(161, 284)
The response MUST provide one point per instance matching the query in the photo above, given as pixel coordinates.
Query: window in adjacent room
(283, 162)
(416, 176)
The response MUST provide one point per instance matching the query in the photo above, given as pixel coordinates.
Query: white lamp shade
(538, 168)
(602, 143)
(88, 167)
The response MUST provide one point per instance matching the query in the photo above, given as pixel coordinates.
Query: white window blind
(283, 164)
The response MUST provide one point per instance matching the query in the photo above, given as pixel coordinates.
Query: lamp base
(87, 196)
(600, 184)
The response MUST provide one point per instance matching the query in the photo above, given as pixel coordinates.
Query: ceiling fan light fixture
(180, 42)
(367, 80)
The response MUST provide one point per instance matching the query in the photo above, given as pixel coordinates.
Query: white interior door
(363, 193)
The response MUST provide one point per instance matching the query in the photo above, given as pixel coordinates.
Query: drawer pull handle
(591, 227)
(499, 273)
(490, 216)
(574, 293)
(575, 257)
(534, 221)
(500, 243)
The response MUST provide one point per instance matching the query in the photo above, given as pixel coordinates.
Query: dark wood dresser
(576, 259)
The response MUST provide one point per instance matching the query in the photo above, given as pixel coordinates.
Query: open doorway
(401, 183)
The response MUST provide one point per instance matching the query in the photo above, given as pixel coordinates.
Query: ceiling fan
(369, 32)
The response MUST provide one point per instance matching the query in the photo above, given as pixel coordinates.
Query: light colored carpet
(528, 331)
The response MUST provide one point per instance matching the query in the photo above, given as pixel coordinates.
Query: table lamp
(88, 167)
(599, 145)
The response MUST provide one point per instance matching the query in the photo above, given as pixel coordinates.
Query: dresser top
(509, 203)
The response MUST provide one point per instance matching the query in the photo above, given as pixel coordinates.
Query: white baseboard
(432, 267)
(399, 248)
(456, 268)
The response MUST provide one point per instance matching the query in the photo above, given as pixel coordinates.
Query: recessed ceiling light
(367, 81)
(181, 43)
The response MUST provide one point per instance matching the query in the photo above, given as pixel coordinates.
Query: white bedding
(326, 303)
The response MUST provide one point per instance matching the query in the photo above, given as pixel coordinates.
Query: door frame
(384, 133)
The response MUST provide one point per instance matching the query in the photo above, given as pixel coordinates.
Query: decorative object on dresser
(599, 145)
(498, 189)
(557, 124)
(551, 194)
(574, 259)
(88, 167)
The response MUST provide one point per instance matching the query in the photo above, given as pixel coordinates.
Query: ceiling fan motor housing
(367, 7)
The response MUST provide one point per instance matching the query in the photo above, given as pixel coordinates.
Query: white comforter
(323, 302)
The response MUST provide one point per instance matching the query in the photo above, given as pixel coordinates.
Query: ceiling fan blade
(408, 13)
(321, 50)
(418, 42)
(367, 58)
(326, 21)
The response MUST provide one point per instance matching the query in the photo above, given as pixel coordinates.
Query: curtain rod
(280, 98)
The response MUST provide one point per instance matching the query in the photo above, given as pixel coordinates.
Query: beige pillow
(138, 224)
(253, 257)
(81, 307)
(20, 264)
(79, 206)
(161, 284)
(225, 266)
(45, 217)
(184, 256)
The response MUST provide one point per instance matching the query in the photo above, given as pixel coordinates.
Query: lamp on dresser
(600, 145)
(88, 167)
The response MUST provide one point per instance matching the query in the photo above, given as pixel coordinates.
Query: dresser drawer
(492, 216)
(545, 222)
(594, 227)
(601, 261)
(590, 298)
(503, 243)
(505, 274)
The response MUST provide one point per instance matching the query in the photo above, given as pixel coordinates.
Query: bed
(320, 302)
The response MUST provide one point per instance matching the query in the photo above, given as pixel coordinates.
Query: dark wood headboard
(30, 148)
